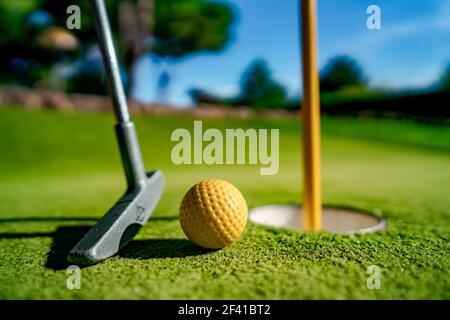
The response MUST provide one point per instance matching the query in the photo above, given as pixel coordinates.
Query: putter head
(120, 224)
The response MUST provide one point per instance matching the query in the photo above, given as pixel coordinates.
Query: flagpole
(312, 205)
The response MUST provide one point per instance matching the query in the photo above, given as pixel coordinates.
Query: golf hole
(334, 219)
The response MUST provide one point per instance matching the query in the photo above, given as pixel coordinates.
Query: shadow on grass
(161, 248)
(66, 237)
(68, 219)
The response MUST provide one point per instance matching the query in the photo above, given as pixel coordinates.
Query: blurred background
(242, 53)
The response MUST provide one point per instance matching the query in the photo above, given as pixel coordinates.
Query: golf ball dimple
(213, 214)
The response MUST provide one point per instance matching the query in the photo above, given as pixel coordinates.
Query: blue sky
(410, 51)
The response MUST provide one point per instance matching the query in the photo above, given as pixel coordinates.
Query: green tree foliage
(341, 72)
(183, 27)
(12, 17)
(26, 62)
(259, 89)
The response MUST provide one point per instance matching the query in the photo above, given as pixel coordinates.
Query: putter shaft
(126, 134)
(106, 45)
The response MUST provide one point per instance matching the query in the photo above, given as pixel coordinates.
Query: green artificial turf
(60, 172)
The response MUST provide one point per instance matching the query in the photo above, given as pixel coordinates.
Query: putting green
(61, 172)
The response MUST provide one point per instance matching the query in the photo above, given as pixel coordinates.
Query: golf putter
(123, 221)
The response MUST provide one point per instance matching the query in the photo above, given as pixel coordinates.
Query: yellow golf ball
(213, 214)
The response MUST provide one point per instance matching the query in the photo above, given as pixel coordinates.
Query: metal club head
(122, 222)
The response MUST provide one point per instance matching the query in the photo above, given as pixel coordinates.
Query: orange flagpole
(312, 203)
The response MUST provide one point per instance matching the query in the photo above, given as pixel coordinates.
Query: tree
(444, 81)
(169, 28)
(136, 26)
(172, 29)
(29, 30)
(12, 17)
(259, 89)
(341, 72)
(201, 96)
(183, 27)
